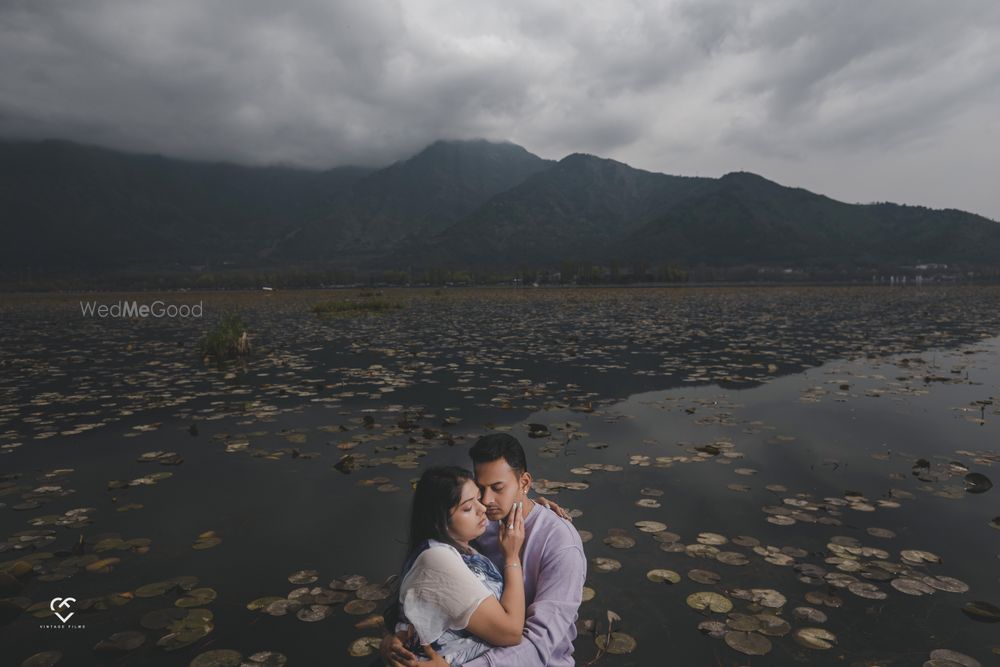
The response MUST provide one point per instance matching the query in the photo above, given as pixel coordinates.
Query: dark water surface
(820, 413)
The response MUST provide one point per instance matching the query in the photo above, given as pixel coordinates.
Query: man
(552, 559)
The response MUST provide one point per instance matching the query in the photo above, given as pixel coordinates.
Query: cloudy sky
(862, 100)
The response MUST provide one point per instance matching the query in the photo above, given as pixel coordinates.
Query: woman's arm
(501, 622)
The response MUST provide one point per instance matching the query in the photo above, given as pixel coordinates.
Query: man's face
(500, 486)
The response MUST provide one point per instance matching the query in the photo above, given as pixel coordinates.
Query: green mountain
(469, 205)
(69, 206)
(573, 210)
(747, 219)
(422, 195)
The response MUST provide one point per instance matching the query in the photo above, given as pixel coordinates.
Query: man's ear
(525, 482)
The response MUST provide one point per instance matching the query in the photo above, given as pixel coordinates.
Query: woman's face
(468, 518)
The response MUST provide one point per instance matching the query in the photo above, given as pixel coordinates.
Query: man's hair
(500, 446)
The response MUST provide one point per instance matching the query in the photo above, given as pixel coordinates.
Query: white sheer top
(439, 594)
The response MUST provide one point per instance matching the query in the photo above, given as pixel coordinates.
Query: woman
(455, 599)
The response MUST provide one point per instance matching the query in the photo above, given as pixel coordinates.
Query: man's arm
(551, 617)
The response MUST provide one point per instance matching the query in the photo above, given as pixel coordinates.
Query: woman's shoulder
(439, 555)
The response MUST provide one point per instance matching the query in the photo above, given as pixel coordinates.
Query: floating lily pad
(374, 592)
(650, 526)
(303, 577)
(911, 586)
(948, 658)
(704, 576)
(731, 558)
(121, 642)
(773, 626)
(948, 584)
(314, 612)
(218, 658)
(866, 590)
(349, 583)
(43, 659)
(815, 638)
(265, 659)
(359, 607)
(708, 600)
(977, 483)
(197, 598)
(260, 604)
(620, 644)
(663, 576)
(607, 565)
(619, 542)
(714, 629)
(364, 646)
(918, 557)
(984, 612)
(809, 614)
(749, 643)
(154, 590)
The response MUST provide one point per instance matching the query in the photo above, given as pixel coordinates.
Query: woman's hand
(552, 505)
(393, 653)
(512, 534)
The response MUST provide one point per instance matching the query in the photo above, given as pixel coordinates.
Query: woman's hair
(438, 492)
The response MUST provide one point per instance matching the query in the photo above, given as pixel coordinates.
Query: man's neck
(528, 506)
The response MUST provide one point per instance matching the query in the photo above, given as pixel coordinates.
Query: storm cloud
(889, 100)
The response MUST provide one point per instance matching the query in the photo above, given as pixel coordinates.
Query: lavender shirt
(554, 571)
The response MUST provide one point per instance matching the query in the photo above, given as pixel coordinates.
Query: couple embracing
(492, 578)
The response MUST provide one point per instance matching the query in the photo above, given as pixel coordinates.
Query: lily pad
(265, 659)
(359, 607)
(43, 659)
(663, 576)
(977, 483)
(121, 642)
(619, 542)
(303, 577)
(815, 638)
(218, 658)
(651, 526)
(197, 598)
(607, 565)
(984, 612)
(620, 643)
(314, 612)
(708, 600)
(749, 643)
(954, 658)
(704, 576)
(364, 646)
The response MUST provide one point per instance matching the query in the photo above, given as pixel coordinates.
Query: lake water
(819, 448)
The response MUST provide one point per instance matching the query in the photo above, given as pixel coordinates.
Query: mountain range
(460, 205)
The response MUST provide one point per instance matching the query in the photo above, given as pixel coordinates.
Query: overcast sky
(862, 100)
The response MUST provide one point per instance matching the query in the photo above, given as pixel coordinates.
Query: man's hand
(545, 502)
(394, 654)
(435, 659)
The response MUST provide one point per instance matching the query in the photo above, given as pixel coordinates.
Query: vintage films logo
(62, 607)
